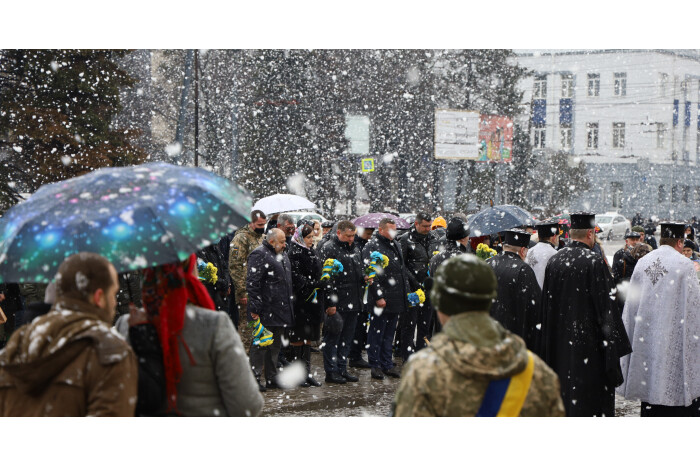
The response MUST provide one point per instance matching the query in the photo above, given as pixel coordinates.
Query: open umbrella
(497, 219)
(283, 202)
(136, 217)
(371, 220)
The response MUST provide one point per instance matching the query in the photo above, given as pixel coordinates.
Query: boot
(297, 355)
(306, 356)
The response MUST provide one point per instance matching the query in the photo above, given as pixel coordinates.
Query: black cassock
(517, 306)
(583, 336)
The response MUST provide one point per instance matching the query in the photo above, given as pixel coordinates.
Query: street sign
(368, 165)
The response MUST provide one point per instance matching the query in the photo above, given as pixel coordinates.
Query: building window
(567, 85)
(618, 135)
(660, 135)
(662, 194)
(592, 135)
(616, 191)
(566, 136)
(663, 84)
(697, 194)
(620, 87)
(540, 90)
(686, 193)
(593, 84)
(538, 138)
(675, 194)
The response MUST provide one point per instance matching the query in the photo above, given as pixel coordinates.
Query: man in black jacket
(418, 246)
(388, 295)
(270, 295)
(343, 297)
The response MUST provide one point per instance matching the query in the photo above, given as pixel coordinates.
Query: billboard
(357, 133)
(469, 135)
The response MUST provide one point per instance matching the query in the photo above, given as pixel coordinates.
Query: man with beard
(68, 362)
(583, 337)
(517, 306)
(546, 247)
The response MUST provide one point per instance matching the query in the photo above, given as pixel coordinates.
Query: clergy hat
(633, 234)
(582, 220)
(457, 229)
(672, 230)
(517, 238)
(547, 229)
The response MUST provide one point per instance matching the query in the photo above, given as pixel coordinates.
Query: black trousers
(654, 410)
(405, 335)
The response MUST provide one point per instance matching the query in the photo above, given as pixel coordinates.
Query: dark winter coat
(452, 248)
(583, 336)
(417, 252)
(269, 286)
(623, 265)
(390, 283)
(306, 276)
(344, 291)
(143, 339)
(517, 306)
(219, 291)
(129, 292)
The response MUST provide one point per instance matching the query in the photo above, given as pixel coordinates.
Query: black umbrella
(497, 219)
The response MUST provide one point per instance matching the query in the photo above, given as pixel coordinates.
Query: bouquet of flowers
(332, 267)
(484, 252)
(375, 258)
(207, 272)
(261, 336)
(416, 298)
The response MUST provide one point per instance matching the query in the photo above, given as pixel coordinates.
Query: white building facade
(631, 116)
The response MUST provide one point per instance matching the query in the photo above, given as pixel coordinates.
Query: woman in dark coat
(308, 302)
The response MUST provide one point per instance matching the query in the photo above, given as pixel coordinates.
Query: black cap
(327, 224)
(672, 230)
(517, 238)
(582, 220)
(633, 234)
(457, 229)
(690, 244)
(547, 229)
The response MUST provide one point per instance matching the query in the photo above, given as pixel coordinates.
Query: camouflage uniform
(242, 245)
(449, 378)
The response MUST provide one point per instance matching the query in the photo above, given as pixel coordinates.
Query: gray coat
(219, 382)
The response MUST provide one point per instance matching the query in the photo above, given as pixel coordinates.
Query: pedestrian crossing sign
(368, 165)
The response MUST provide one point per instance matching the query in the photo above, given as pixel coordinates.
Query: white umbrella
(283, 202)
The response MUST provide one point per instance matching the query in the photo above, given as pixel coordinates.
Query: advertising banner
(468, 135)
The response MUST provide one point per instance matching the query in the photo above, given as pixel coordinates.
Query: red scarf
(166, 291)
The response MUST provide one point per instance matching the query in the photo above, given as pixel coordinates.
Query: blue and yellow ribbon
(505, 397)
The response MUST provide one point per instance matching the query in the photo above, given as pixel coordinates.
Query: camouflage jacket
(449, 378)
(242, 245)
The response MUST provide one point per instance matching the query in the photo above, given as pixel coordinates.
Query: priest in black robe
(583, 336)
(517, 306)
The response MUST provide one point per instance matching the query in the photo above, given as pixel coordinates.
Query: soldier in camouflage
(244, 242)
(474, 367)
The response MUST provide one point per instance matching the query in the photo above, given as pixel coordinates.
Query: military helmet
(463, 283)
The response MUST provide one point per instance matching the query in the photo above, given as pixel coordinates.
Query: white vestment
(537, 258)
(662, 319)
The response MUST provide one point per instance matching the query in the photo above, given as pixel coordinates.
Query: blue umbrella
(137, 217)
(497, 219)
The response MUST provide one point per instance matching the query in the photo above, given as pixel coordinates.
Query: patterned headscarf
(166, 291)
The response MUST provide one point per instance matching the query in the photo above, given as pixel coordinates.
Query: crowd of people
(544, 326)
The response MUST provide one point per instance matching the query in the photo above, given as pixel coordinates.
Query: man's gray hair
(285, 219)
(276, 232)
